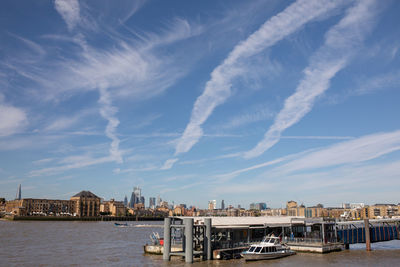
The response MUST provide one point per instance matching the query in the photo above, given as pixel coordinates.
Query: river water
(31, 243)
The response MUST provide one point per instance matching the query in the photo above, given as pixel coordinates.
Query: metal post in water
(207, 243)
(367, 235)
(188, 240)
(167, 239)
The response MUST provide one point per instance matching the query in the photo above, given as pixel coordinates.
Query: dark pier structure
(226, 237)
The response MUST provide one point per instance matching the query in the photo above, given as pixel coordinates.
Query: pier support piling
(207, 243)
(367, 235)
(167, 239)
(188, 240)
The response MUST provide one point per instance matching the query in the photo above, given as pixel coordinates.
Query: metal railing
(301, 240)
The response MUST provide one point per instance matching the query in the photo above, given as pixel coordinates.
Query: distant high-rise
(18, 195)
(222, 205)
(212, 204)
(136, 197)
(258, 206)
(159, 201)
(126, 201)
(152, 202)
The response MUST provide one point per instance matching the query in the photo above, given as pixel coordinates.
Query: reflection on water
(103, 244)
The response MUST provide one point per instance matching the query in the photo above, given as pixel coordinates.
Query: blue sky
(246, 101)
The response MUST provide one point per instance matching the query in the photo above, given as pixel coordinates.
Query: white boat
(269, 248)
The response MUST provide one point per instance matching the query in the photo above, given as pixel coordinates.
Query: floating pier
(226, 237)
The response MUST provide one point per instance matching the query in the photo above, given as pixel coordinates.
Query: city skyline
(246, 102)
(212, 204)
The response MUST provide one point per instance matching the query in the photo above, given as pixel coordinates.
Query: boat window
(264, 250)
(269, 249)
(271, 240)
(251, 249)
(273, 249)
(257, 249)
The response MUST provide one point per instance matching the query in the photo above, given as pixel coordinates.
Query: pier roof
(238, 222)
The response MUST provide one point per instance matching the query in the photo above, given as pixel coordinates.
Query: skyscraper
(159, 201)
(126, 201)
(18, 195)
(136, 197)
(222, 205)
(152, 202)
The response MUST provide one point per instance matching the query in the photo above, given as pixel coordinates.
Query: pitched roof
(86, 194)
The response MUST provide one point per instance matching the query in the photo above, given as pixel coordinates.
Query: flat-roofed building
(82, 204)
(34, 206)
(112, 207)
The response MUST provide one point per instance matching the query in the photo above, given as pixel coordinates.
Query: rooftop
(86, 194)
(240, 222)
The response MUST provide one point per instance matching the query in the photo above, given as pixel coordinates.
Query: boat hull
(266, 256)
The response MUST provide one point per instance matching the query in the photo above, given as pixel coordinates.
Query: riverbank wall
(71, 218)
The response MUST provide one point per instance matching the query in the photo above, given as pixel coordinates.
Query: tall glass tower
(18, 195)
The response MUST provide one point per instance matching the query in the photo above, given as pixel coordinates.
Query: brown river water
(32, 243)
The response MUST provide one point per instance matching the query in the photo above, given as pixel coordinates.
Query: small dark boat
(121, 224)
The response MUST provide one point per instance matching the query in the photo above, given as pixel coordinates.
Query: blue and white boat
(269, 248)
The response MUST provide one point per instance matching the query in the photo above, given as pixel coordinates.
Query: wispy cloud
(230, 175)
(131, 68)
(259, 113)
(341, 42)
(309, 186)
(314, 137)
(353, 151)
(218, 88)
(42, 161)
(83, 162)
(12, 119)
(180, 188)
(378, 82)
(36, 51)
(168, 164)
(143, 168)
(60, 123)
(108, 112)
(177, 29)
(69, 11)
(349, 152)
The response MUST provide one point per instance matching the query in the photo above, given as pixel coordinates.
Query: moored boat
(269, 248)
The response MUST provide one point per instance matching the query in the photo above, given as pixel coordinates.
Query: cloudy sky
(246, 101)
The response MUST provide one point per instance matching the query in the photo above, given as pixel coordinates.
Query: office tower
(18, 195)
(152, 202)
(126, 201)
(262, 206)
(136, 197)
(222, 205)
(159, 201)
